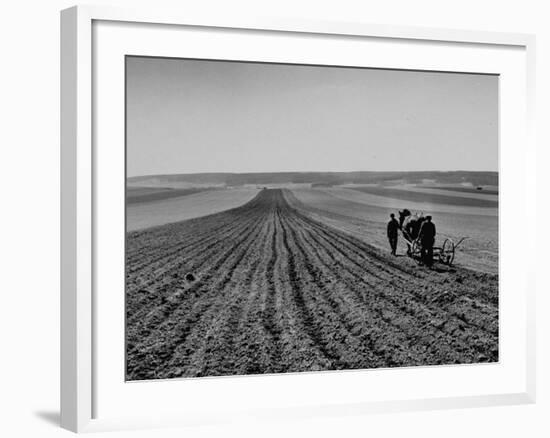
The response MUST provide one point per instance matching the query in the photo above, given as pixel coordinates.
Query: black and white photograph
(285, 218)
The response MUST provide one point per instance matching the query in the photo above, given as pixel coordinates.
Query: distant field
(148, 194)
(463, 190)
(431, 198)
(397, 204)
(140, 215)
(437, 191)
(332, 178)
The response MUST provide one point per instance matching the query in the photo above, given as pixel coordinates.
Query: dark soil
(276, 291)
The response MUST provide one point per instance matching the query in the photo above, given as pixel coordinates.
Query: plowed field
(277, 291)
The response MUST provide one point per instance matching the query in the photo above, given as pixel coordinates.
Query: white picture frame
(79, 199)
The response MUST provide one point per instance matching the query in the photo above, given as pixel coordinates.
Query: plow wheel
(447, 252)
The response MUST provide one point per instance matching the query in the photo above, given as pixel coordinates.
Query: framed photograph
(280, 218)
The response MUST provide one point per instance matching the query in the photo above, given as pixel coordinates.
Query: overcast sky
(188, 116)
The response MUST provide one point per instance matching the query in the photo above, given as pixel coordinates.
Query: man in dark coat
(393, 227)
(427, 240)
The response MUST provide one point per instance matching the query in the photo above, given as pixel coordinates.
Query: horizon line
(311, 171)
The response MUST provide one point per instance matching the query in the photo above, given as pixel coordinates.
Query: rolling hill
(322, 178)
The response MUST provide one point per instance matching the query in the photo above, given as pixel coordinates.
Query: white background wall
(29, 181)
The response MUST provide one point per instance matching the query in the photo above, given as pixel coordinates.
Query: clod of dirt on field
(278, 291)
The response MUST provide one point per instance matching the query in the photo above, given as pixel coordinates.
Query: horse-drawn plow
(410, 228)
(444, 254)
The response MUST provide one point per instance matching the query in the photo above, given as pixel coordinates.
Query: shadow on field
(436, 267)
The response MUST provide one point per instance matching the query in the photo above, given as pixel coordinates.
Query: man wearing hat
(427, 240)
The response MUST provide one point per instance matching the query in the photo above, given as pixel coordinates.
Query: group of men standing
(426, 235)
